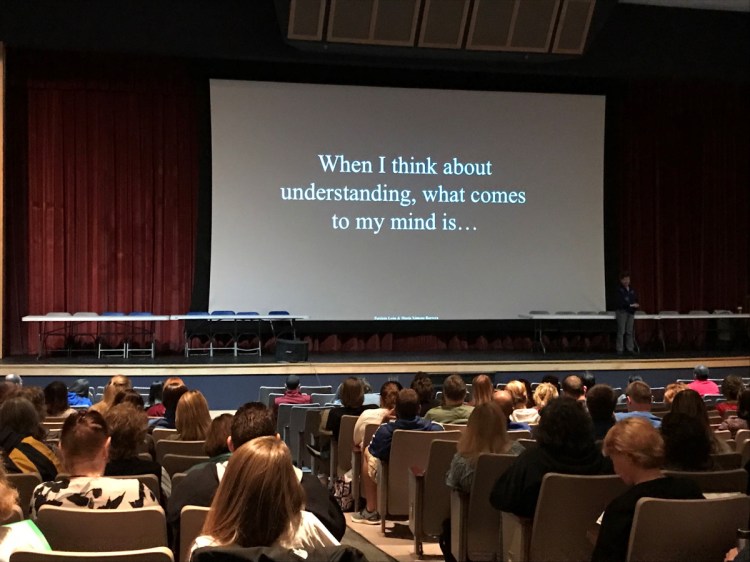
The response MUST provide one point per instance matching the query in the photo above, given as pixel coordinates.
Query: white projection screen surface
(369, 203)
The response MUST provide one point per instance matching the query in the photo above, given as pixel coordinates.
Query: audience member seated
(7, 390)
(156, 407)
(573, 387)
(78, 394)
(686, 445)
(129, 396)
(115, 385)
(14, 379)
(25, 535)
(481, 390)
(35, 395)
(453, 409)
(520, 412)
(565, 445)
(701, 384)
(588, 379)
(388, 395)
(504, 399)
(252, 420)
(639, 399)
(407, 417)
(216, 445)
(637, 453)
(352, 404)
(731, 388)
(553, 380)
(623, 399)
(292, 394)
(671, 391)
(544, 393)
(691, 404)
(740, 421)
(127, 427)
(171, 396)
(261, 503)
(84, 445)
(422, 385)
(601, 402)
(486, 432)
(56, 400)
(20, 440)
(192, 417)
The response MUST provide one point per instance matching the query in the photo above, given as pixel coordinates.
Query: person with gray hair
(701, 384)
(14, 379)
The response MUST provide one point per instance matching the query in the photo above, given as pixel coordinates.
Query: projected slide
(362, 203)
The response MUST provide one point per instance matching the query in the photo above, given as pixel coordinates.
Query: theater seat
(158, 554)
(181, 463)
(192, 518)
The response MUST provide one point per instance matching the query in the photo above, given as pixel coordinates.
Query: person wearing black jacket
(625, 307)
(198, 488)
(565, 445)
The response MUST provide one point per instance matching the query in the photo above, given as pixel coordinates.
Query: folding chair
(244, 334)
(197, 329)
(104, 343)
(141, 339)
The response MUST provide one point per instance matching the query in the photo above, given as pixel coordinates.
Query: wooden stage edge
(318, 366)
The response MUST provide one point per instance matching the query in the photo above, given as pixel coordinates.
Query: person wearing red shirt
(701, 384)
(292, 395)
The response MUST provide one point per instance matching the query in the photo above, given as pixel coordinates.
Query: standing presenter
(627, 304)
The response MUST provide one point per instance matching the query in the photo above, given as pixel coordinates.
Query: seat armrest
(459, 525)
(516, 537)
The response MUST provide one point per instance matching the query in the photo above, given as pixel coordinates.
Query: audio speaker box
(291, 351)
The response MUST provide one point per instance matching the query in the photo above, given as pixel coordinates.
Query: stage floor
(374, 363)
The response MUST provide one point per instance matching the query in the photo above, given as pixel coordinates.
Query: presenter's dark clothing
(626, 298)
(517, 490)
(334, 417)
(612, 542)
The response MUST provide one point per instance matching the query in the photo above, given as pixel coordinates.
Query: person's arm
(510, 492)
(323, 505)
(612, 542)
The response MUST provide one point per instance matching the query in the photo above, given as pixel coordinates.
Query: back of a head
(389, 393)
(127, 426)
(292, 382)
(258, 498)
(407, 404)
(687, 445)
(732, 387)
(20, 416)
(518, 391)
(544, 393)
(56, 397)
(565, 427)
(424, 389)
(673, 390)
(217, 434)
(14, 379)
(252, 420)
(454, 388)
(639, 393)
(588, 379)
(638, 439)
(352, 393)
(634, 378)
(120, 382)
(129, 396)
(700, 372)
(486, 431)
(80, 387)
(690, 403)
(572, 386)
(481, 390)
(192, 416)
(171, 395)
(553, 380)
(504, 399)
(601, 402)
(35, 395)
(82, 438)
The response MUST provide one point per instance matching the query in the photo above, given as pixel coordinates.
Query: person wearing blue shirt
(639, 404)
(625, 307)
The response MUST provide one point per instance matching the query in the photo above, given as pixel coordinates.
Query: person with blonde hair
(481, 390)
(260, 502)
(637, 452)
(192, 417)
(520, 396)
(115, 385)
(8, 496)
(486, 432)
(672, 390)
(544, 393)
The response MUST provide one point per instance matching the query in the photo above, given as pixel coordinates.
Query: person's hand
(731, 555)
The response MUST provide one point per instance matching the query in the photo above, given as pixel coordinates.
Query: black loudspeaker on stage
(292, 351)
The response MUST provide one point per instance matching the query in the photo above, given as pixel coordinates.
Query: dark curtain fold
(110, 183)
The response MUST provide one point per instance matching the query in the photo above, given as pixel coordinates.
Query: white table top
(94, 318)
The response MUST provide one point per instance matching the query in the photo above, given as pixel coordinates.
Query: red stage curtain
(111, 178)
